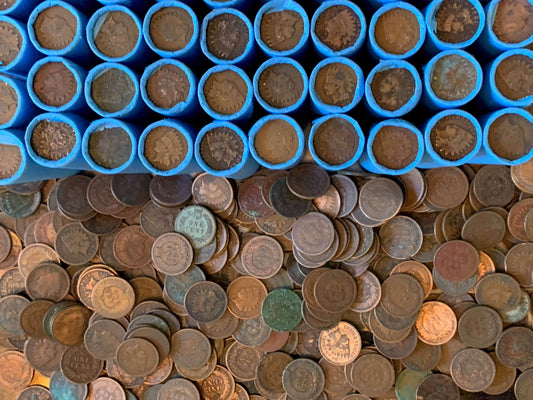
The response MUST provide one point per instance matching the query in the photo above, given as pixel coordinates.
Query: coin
(242, 361)
(480, 326)
(499, 291)
(269, 374)
(335, 291)
(340, 345)
(262, 257)
(402, 295)
(252, 332)
(19, 206)
(48, 281)
(132, 247)
(313, 233)
(372, 374)
(380, 199)
(197, 224)
(436, 323)
(178, 387)
(437, 386)
(172, 254)
(245, 297)
(113, 297)
(281, 309)
(402, 237)
(103, 337)
(205, 301)
(456, 260)
(108, 37)
(473, 370)
(75, 245)
(63, 389)
(303, 379)
(34, 392)
(213, 192)
(79, 366)
(137, 357)
(106, 387)
(285, 202)
(219, 385)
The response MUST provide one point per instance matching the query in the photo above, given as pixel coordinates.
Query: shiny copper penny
(436, 323)
(473, 370)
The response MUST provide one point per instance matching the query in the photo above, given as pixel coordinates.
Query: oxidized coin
(64, 29)
(303, 379)
(518, 263)
(213, 192)
(453, 137)
(165, 148)
(72, 198)
(117, 35)
(113, 298)
(100, 197)
(368, 292)
(10, 309)
(168, 86)
(113, 90)
(75, 245)
(178, 388)
(397, 31)
(338, 27)
(504, 378)
(137, 357)
(380, 199)
(220, 385)
(63, 389)
(453, 77)
(110, 147)
(393, 88)
(512, 21)
(250, 198)
(54, 84)
(401, 237)
(252, 332)
(103, 337)
(402, 295)
(53, 140)
(32, 316)
(372, 375)
(417, 270)
(510, 136)
(48, 282)
(336, 141)
(286, 203)
(8, 107)
(341, 344)
(10, 156)
(197, 224)
(242, 361)
(480, 326)
(245, 297)
(281, 309)
(308, 181)
(176, 286)
(262, 257)
(281, 29)
(171, 191)
(131, 190)
(33, 255)
(227, 36)
(407, 383)
(132, 247)
(447, 187)
(472, 370)
(499, 291)
(15, 372)
(437, 387)
(156, 220)
(35, 393)
(514, 347)
(225, 91)
(172, 254)
(190, 349)
(456, 260)
(269, 374)
(436, 323)
(12, 42)
(79, 366)
(484, 229)
(221, 148)
(524, 385)
(171, 28)
(276, 141)
(335, 291)
(19, 206)
(457, 21)
(424, 357)
(281, 85)
(105, 387)
(335, 85)
(313, 233)
(205, 301)
(493, 186)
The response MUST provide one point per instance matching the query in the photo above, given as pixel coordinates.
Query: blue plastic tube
(25, 110)
(26, 54)
(322, 48)
(431, 158)
(431, 100)
(489, 43)
(486, 154)
(192, 50)
(29, 170)
(244, 169)
(360, 142)
(133, 165)
(322, 108)
(376, 50)
(188, 165)
(140, 52)
(278, 6)
(78, 49)
(286, 110)
(80, 73)
(135, 110)
(185, 108)
(490, 95)
(247, 56)
(433, 44)
(20, 9)
(246, 110)
(368, 160)
(371, 103)
(75, 159)
(299, 133)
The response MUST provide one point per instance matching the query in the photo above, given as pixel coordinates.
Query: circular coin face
(402, 295)
(472, 370)
(197, 224)
(436, 323)
(205, 301)
(137, 357)
(172, 254)
(341, 344)
(303, 379)
(480, 326)
(281, 309)
(113, 298)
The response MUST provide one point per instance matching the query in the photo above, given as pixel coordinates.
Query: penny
(44, 354)
(281, 30)
(190, 349)
(281, 309)
(176, 286)
(32, 316)
(338, 27)
(335, 291)
(493, 185)
(395, 147)
(245, 297)
(511, 77)
(137, 357)
(437, 387)
(227, 36)
(221, 148)
(281, 85)
(348, 193)
(165, 148)
(178, 387)
(516, 218)
(13, 42)
(171, 28)
(197, 224)
(340, 345)
(313, 234)
(484, 230)
(252, 332)
(63, 389)
(35, 393)
(408, 382)
(480, 326)
(117, 36)
(523, 385)
(276, 141)
(250, 198)
(516, 263)
(510, 136)
(74, 245)
(512, 23)
(55, 27)
(172, 254)
(219, 385)
(269, 373)
(113, 90)
(213, 192)
(48, 282)
(242, 361)
(335, 84)
(225, 92)
(113, 298)
(436, 323)
(106, 387)
(101, 225)
(397, 31)
(15, 371)
(72, 198)
(132, 247)
(368, 292)
(521, 176)
(10, 309)
(205, 301)
(10, 155)
(336, 141)
(171, 191)
(132, 190)
(456, 260)
(53, 140)
(457, 21)
(168, 86)
(423, 358)
(110, 148)
(393, 88)
(303, 379)
(100, 197)
(447, 187)
(513, 347)
(54, 83)
(262, 257)
(473, 370)
(453, 77)
(397, 350)
(418, 271)
(79, 366)
(5, 243)
(402, 237)
(453, 137)
(402, 295)
(499, 291)
(380, 199)
(372, 374)
(103, 337)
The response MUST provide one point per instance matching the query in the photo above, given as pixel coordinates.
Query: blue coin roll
(75, 47)
(214, 139)
(181, 101)
(14, 152)
(74, 159)
(272, 131)
(115, 143)
(233, 89)
(19, 9)
(164, 137)
(238, 4)
(16, 107)
(18, 53)
(78, 74)
(340, 94)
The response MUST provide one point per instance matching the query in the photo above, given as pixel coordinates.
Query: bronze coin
(395, 147)
(242, 361)
(401, 237)
(269, 373)
(44, 354)
(117, 35)
(335, 291)
(113, 297)
(9, 103)
(167, 87)
(517, 261)
(437, 387)
(15, 372)
(393, 88)
(65, 23)
(103, 337)
(397, 350)
(213, 192)
(509, 13)
(499, 139)
(171, 28)
(110, 147)
(368, 292)
(465, 16)
(262, 257)
(499, 291)
(33, 255)
(484, 229)
(53, 140)
(333, 350)
(75, 245)
(68, 323)
(32, 316)
(281, 29)
(79, 366)
(106, 387)
(424, 357)
(453, 137)
(276, 141)
(72, 198)
(285, 202)
(480, 326)
(513, 347)
(380, 199)
(473, 370)
(172, 254)
(10, 309)
(137, 357)
(313, 233)
(225, 91)
(250, 198)
(281, 85)
(178, 387)
(245, 297)
(397, 31)
(308, 181)
(338, 27)
(54, 84)
(454, 86)
(205, 301)
(11, 155)
(171, 191)
(15, 40)
(48, 281)
(348, 193)
(516, 218)
(190, 349)
(252, 332)
(113, 90)
(436, 323)
(493, 185)
(221, 328)
(402, 295)
(372, 374)
(303, 379)
(456, 260)
(227, 36)
(35, 392)
(131, 190)
(100, 197)
(221, 148)
(336, 140)
(132, 247)
(447, 187)
(524, 385)
(219, 385)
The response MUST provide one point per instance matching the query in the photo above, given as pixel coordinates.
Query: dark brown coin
(512, 76)
(48, 282)
(281, 30)
(380, 199)
(219, 385)
(79, 366)
(372, 375)
(424, 357)
(67, 322)
(402, 295)
(262, 257)
(100, 197)
(285, 202)
(44, 354)
(75, 245)
(276, 141)
(227, 36)
(493, 186)
(281, 85)
(225, 91)
(480, 326)
(172, 254)
(32, 316)
(35, 392)
(514, 347)
(453, 137)
(473, 370)
(512, 21)
(250, 198)
(205, 301)
(456, 85)
(171, 28)
(15, 372)
(303, 379)
(336, 141)
(308, 181)
(112, 90)
(269, 373)
(456, 260)
(338, 27)
(54, 84)
(457, 21)
(511, 136)
(117, 35)
(447, 187)
(190, 349)
(395, 147)
(178, 387)
(397, 31)
(397, 350)
(221, 148)
(13, 40)
(401, 237)
(335, 291)
(103, 337)
(10, 155)
(437, 387)
(53, 140)
(101, 224)
(393, 88)
(165, 148)
(484, 229)
(65, 27)
(171, 191)
(132, 190)
(110, 147)
(168, 86)
(72, 198)
(8, 107)
(10, 309)
(137, 357)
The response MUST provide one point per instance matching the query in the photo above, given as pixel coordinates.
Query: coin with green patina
(197, 224)
(19, 205)
(281, 310)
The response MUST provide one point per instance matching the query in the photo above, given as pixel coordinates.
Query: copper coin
(251, 200)
(106, 387)
(132, 247)
(385, 334)
(493, 185)
(308, 181)
(372, 374)
(197, 224)
(245, 297)
(33, 255)
(172, 254)
(313, 234)
(517, 263)
(418, 271)
(79, 366)
(178, 387)
(262, 257)
(156, 220)
(44, 354)
(401, 237)
(504, 378)
(15, 371)
(213, 192)
(447, 187)
(10, 309)
(219, 385)
(31, 318)
(456, 260)
(424, 357)
(48, 281)
(513, 347)
(103, 337)
(269, 374)
(473, 370)
(348, 193)
(242, 361)
(113, 297)
(75, 245)
(205, 301)
(303, 379)
(137, 357)
(87, 280)
(499, 141)
(380, 199)
(395, 147)
(100, 197)
(285, 202)
(117, 35)
(72, 197)
(335, 291)
(393, 100)
(221, 328)
(190, 349)
(131, 190)
(252, 332)
(170, 191)
(62, 132)
(68, 323)
(402, 295)
(516, 218)
(524, 385)
(436, 323)
(437, 387)
(480, 326)
(397, 350)
(460, 86)
(341, 344)
(368, 292)
(484, 229)
(499, 291)
(35, 392)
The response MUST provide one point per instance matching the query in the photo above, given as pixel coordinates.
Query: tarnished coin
(79, 366)
(10, 309)
(484, 229)
(48, 281)
(172, 254)
(514, 347)
(105, 387)
(15, 372)
(402, 295)
(132, 247)
(472, 370)
(190, 349)
(456, 260)
(131, 190)
(220, 385)
(493, 186)
(157, 220)
(437, 387)
(250, 198)
(205, 301)
(103, 337)
(100, 197)
(213, 192)
(447, 187)
(517, 263)
(380, 199)
(308, 181)
(401, 237)
(113, 298)
(418, 271)
(498, 291)
(313, 233)
(252, 332)
(368, 292)
(197, 224)
(63, 389)
(503, 379)
(35, 392)
(18, 205)
(524, 385)
(176, 388)
(75, 245)
(286, 203)
(303, 379)
(340, 345)
(269, 374)
(424, 357)
(335, 291)
(72, 197)
(436, 323)
(32, 316)
(245, 297)
(372, 375)
(137, 357)
(480, 326)
(262, 257)
(281, 309)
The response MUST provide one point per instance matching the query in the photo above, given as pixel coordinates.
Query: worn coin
(172, 254)
(303, 379)
(281, 309)
(472, 370)
(113, 297)
(205, 301)
(137, 357)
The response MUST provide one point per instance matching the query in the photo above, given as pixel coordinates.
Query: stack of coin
(287, 285)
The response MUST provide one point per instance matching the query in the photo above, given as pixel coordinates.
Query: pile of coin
(291, 285)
